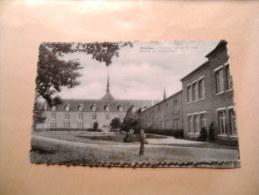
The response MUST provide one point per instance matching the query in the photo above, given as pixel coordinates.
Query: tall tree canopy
(55, 73)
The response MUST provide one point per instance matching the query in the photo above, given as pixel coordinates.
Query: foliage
(203, 135)
(116, 123)
(132, 120)
(95, 127)
(212, 132)
(55, 73)
(178, 133)
(38, 113)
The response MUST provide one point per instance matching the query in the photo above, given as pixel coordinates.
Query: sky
(143, 71)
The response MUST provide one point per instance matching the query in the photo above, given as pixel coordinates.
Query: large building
(81, 114)
(166, 114)
(206, 101)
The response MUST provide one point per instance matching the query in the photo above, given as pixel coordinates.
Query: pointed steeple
(108, 95)
(164, 94)
(108, 84)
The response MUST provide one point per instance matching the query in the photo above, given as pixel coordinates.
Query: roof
(221, 44)
(101, 104)
(108, 96)
(165, 100)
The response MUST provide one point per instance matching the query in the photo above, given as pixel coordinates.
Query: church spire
(108, 84)
(108, 95)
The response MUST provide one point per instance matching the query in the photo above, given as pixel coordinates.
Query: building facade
(166, 114)
(79, 114)
(206, 101)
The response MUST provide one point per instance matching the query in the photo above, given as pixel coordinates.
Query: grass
(51, 151)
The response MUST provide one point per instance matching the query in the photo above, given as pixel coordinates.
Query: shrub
(115, 123)
(203, 135)
(95, 127)
(212, 132)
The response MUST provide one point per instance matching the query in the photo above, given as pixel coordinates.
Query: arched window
(80, 107)
(53, 107)
(133, 108)
(67, 108)
(107, 108)
(45, 107)
(93, 108)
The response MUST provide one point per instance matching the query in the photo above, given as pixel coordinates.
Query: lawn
(86, 149)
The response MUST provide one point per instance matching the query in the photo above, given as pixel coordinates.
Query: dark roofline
(163, 100)
(195, 70)
(220, 45)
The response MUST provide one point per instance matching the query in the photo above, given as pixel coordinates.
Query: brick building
(166, 114)
(206, 98)
(81, 114)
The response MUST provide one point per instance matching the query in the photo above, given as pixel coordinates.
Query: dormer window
(107, 108)
(133, 109)
(93, 108)
(80, 107)
(53, 108)
(67, 108)
(120, 108)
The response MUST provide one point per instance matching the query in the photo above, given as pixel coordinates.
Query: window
(158, 108)
(194, 91)
(107, 117)
(166, 124)
(93, 108)
(80, 116)
(176, 123)
(190, 123)
(80, 125)
(107, 108)
(175, 104)
(222, 122)
(201, 89)
(94, 117)
(120, 109)
(202, 120)
(195, 123)
(53, 115)
(228, 78)
(80, 108)
(67, 116)
(53, 107)
(232, 124)
(219, 81)
(67, 125)
(66, 108)
(166, 108)
(53, 125)
(189, 94)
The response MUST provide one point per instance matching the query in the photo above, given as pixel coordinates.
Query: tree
(55, 72)
(38, 116)
(116, 123)
(132, 120)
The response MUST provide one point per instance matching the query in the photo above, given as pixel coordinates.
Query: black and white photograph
(135, 104)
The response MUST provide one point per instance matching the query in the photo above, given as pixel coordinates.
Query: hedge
(177, 133)
(65, 129)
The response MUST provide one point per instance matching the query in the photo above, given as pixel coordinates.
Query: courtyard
(84, 147)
